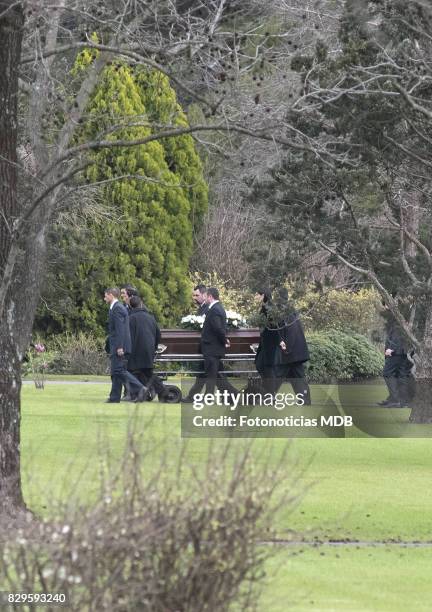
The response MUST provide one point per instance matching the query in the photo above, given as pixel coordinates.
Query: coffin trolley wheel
(173, 394)
(151, 394)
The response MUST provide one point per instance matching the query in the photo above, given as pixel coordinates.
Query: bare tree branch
(390, 301)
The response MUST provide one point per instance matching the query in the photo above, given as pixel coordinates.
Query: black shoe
(142, 394)
(111, 401)
(185, 400)
(384, 402)
(127, 398)
(394, 405)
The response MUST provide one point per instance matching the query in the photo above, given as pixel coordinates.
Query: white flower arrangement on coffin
(196, 322)
(235, 320)
(191, 321)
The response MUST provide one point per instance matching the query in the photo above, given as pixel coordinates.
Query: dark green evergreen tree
(158, 199)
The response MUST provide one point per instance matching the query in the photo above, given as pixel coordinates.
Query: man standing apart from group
(119, 344)
(397, 368)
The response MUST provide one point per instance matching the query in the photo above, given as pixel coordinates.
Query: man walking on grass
(145, 337)
(397, 369)
(214, 344)
(119, 345)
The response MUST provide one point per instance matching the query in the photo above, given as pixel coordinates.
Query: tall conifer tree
(157, 204)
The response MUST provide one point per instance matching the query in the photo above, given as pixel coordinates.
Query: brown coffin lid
(186, 342)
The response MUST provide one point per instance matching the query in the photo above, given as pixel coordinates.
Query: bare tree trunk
(422, 406)
(11, 22)
(411, 209)
(10, 387)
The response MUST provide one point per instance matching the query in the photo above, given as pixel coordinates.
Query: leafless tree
(267, 88)
(397, 80)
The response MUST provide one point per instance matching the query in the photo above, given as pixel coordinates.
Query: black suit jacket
(145, 337)
(202, 309)
(118, 329)
(394, 337)
(213, 336)
(293, 335)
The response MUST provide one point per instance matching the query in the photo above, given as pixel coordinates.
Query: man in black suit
(145, 337)
(292, 352)
(199, 295)
(119, 344)
(397, 369)
(213, 344)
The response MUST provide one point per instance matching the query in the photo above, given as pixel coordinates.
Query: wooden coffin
(186, 342)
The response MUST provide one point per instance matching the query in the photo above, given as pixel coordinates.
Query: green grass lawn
(365, 489)
(327, 579)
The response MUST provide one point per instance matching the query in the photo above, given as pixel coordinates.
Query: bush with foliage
(335, 355)
(73, 354)
(157, 539)
(340, 309)
(79, 354)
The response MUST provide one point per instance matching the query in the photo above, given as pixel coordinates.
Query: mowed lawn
(346, 579)
(374, 491)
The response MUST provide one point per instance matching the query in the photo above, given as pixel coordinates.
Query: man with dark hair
(213, 344)
(119, 345)
(126, 292)
(199, 297)
(145, 337)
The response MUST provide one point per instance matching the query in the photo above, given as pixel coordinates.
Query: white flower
(193, 321)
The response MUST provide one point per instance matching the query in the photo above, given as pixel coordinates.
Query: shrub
(336, 355)
(75, 354)
(156, 543)
(364, 359)
(340, 309)
(328, 360)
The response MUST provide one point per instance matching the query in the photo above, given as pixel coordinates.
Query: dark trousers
(149, 379)
(200, 381)
(270, 382)
(120, 376)
(295, 374)
(214, 377)
(397, 376)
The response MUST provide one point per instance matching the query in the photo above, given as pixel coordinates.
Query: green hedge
(336, 355)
